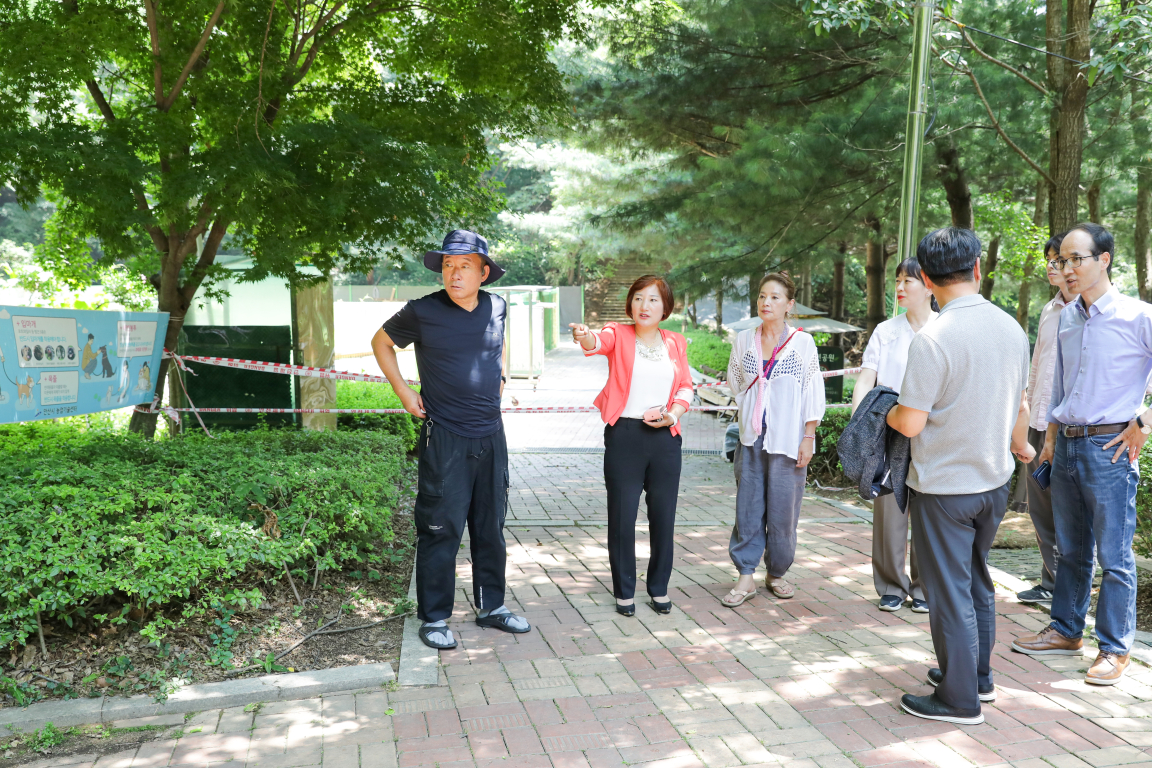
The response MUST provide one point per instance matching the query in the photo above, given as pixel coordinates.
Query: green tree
(308, 132)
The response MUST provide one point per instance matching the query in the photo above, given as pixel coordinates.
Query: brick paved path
(808, 683)
(812, 682)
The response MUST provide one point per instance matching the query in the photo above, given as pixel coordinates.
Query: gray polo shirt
(968, 369)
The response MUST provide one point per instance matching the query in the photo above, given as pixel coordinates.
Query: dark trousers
(1040, 510)
(639, 458)
(953, 534)
(463, 480)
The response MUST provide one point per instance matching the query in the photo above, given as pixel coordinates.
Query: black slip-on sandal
(661, 608)
(426, 630)
(500, 621)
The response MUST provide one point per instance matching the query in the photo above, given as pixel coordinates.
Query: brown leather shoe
(1048, 643)
(1107, 669)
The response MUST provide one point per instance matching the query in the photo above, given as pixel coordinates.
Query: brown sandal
(782, 589)
(736, 597)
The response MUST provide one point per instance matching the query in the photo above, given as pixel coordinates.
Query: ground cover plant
(107, 537)
(361, 394)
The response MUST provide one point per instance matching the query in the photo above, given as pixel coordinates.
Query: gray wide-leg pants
(954, 534)
(769, 491)
(889, 546)
(1040, 510)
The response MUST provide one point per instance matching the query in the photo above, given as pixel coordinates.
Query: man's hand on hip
(1131, 440)
(411, 401)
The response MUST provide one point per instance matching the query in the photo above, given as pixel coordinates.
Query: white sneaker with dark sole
(931, 708)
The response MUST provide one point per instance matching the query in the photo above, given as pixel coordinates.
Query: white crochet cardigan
(792, 396)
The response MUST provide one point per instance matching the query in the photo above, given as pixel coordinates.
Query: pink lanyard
(758, 422)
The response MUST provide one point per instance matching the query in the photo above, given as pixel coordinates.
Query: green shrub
(704, 348)
(825, 464)
(99, 526)
(361, 394)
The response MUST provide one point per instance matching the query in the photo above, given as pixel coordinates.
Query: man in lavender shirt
(1097, 426)
(1039, 398)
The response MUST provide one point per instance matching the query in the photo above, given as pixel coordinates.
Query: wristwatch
(1146, 428)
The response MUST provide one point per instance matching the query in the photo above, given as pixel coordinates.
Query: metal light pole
(914, 133)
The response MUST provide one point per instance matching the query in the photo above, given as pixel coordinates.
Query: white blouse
(887, 351)
(651, 383)
(792, 396)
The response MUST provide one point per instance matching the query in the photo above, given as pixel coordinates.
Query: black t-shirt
(459, 355)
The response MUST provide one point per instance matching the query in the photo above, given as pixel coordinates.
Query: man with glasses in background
(1097, 425)
(1039, 397)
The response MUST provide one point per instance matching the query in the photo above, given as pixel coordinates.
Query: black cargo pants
(463, 480)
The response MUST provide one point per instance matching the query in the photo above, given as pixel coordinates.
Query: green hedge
(825, 465)
(704, 348)
(361, 394)
(1143, 543)
(99, 525)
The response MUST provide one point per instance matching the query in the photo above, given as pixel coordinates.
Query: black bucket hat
(458, 243)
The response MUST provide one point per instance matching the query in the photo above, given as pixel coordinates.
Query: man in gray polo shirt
(964, 404)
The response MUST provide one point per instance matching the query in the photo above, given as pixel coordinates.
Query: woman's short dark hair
(1053, 244)
(949, 255)
(642, 282)
(911, 268)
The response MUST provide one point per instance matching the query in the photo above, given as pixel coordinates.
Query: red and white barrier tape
(574, 409)
(331, 373)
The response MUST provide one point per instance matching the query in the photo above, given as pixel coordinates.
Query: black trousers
(463, 480)
(639, 458)
(953, 534)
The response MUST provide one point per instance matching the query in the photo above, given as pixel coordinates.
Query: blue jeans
(1094, 508)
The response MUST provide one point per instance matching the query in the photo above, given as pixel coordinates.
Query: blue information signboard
(64, 362)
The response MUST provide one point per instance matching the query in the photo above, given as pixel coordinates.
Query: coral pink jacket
(617, 342)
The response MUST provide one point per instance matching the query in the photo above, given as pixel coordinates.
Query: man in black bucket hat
(459, 337)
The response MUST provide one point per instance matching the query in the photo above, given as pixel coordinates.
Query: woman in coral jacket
(649, 387)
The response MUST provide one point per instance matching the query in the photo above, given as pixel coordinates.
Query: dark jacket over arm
(874, 455)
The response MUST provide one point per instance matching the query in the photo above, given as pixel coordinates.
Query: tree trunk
(806, 285)
(690, 310)
(754, 293)
(955, 183)
(1142, 237)
(837, 309)
(1094, 213)
(1033, 260)
(1070, 121)
(988, 281)
(874, 274)
(720, 311)
(1024, 300)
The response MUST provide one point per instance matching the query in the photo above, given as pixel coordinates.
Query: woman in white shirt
(774, 374)
(885, 359)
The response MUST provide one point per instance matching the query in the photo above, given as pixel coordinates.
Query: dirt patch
(231, 645)
(1015, 532)
(96, 740)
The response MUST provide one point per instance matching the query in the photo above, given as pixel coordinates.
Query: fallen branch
(321, 631)
(288, 573)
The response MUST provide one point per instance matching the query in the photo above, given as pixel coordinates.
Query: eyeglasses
(1075, 261)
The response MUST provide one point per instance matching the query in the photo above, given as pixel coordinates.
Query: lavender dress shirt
(1103, 361)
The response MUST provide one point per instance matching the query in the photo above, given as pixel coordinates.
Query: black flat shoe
(935, 677)
(931, 708)
(626, 610)
(500, 621)
(426, 630)
(661, 608)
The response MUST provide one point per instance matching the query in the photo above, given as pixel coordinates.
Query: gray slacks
(889, 546)
(1040, 510)
(954, 534)
(769, 491)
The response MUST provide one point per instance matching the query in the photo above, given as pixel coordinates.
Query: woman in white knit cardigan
(774, 374)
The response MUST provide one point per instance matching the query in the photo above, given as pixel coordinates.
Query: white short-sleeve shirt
(887, 350)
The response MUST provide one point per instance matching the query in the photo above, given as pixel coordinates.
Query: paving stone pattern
(812, 682)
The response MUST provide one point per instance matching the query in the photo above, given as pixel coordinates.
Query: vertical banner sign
(64, 362)
(832, 359)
